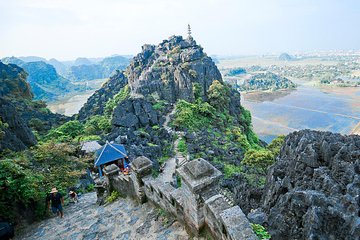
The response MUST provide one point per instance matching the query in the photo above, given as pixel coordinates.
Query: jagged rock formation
(13, 82)
(135, 113)
(18, 111)
(95, 105)
(313, 190)
(168, 70)
(266, 81)
(140, 123)
(17, 135)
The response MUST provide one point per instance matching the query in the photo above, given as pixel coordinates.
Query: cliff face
(13, 82)
(17, 135)
(19, 112)
(167, 71)
(95, 105)
(313, 190)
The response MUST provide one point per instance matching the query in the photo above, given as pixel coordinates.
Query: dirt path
(123, 219)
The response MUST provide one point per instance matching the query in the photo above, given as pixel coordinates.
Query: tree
(276, 145)
(97, 124)
(259, 159)
(66, 132)
(218, 95)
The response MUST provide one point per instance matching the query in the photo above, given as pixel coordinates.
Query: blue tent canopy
(108, 153)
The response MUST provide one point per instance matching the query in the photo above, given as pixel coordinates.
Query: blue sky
(66, 29)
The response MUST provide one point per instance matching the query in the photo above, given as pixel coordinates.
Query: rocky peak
(313, 190)
(167, 71)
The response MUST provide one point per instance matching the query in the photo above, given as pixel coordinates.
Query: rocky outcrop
(168, 70)
(136, 124)
(13, 82)
(19, 112)
(135, 113)
(17, 135)
(95, 105)
(312, 191)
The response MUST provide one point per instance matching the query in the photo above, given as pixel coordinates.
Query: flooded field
(333, 109)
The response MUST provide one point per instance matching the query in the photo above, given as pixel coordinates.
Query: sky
(67, 29)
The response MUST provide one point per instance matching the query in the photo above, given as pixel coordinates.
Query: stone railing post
(140, 168)
(198, 177)
(110, 172)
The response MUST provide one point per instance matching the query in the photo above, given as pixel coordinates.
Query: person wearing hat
(57, 201)
(73, 196)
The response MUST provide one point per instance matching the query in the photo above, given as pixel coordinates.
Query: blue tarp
(109, 152)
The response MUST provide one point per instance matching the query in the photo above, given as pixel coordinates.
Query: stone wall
(197, 203)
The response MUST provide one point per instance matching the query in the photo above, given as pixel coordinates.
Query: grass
(182, 147)
(113, 197)
(260, 231)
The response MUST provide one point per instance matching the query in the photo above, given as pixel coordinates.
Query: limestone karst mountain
(45, 82)
(157, 78)
(84, 69)
(168, 70)
(18, 110)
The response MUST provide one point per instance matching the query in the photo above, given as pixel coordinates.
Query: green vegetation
(260, 231)
(218, 95)
(66, 132)
(97, 125)
(193, 115)
(164, 216)
(160, 105)
(182, 146)
(230, 170)
(259, 159)
(196, 90)
(113, 197)
(90, 188)
(275, 145)
(235, 72)
(116, 100)
(27, 177)
(92, 129)
(3, 126)
(266, 81)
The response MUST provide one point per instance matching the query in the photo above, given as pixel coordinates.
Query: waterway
(335, 109)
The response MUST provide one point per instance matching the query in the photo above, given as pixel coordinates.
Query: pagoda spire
(189, 30)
